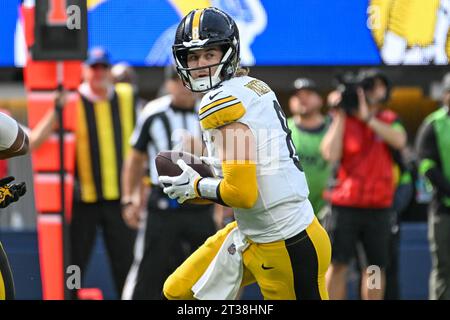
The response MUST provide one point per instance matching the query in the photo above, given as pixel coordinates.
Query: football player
(13, 142)
(259, 176)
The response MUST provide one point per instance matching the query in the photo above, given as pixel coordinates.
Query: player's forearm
(132, 173)
(237, 189)
(394, 137)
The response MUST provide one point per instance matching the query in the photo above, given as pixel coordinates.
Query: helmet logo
(195, 34)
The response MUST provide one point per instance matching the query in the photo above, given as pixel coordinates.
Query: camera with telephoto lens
(347, 85)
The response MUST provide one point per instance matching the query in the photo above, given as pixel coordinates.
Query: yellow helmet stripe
(196, 24)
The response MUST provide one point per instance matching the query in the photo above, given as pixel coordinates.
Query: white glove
(183, 186)
(211, 161)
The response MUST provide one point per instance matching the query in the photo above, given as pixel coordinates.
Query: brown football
(166, 165)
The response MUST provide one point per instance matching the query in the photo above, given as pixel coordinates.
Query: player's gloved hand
(182, 187)
(10, 192)
(211, 161)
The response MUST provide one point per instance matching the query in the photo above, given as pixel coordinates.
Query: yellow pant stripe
(321, 242)
(2, 288)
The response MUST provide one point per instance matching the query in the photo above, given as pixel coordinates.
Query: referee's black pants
(171, 235)
(118, 237)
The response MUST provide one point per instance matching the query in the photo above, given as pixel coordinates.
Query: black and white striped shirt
(161, 126)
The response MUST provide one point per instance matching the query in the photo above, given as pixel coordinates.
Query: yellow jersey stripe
(126, 99)
(196, 24)
(223, 116)
(84, 161)
(108, 161)
(216, 103)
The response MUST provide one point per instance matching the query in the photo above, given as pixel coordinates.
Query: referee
(172, 231)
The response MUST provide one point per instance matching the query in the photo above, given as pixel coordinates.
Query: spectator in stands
(308, 127)
(433, 148)
(360, 140)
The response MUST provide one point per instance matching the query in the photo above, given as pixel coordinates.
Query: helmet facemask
(226, 68)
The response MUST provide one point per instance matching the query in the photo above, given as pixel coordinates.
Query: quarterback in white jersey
(282, 245)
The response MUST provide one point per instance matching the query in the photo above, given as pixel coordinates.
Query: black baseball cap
(305, 84)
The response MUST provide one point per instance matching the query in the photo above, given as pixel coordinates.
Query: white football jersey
(282, 209)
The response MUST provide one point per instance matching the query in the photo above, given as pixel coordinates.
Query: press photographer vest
(365, 176)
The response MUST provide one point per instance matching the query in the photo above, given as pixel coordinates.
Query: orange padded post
(50, 256)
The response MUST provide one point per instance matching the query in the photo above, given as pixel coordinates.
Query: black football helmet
(200, 29)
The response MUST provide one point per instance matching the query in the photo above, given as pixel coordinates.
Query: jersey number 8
(290, 145)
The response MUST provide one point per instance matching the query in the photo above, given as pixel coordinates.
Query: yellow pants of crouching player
(285, 270)
(6, 280)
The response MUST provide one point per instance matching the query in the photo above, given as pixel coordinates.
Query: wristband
(207, 188)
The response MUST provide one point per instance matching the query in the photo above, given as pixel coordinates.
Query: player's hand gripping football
(10, 192)
(182, 187)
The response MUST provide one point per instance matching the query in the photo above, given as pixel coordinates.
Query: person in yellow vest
(13, 142)
(105, 121)
(106, 117)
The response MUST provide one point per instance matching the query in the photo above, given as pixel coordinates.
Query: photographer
(359, 143)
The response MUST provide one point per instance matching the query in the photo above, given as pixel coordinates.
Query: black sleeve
(426, 145)
(427, 149)
(141, 135)
(439, 181)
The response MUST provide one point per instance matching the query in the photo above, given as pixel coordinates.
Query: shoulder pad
(219, 108)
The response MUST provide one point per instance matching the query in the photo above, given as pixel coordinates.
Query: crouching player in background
(13, 142)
